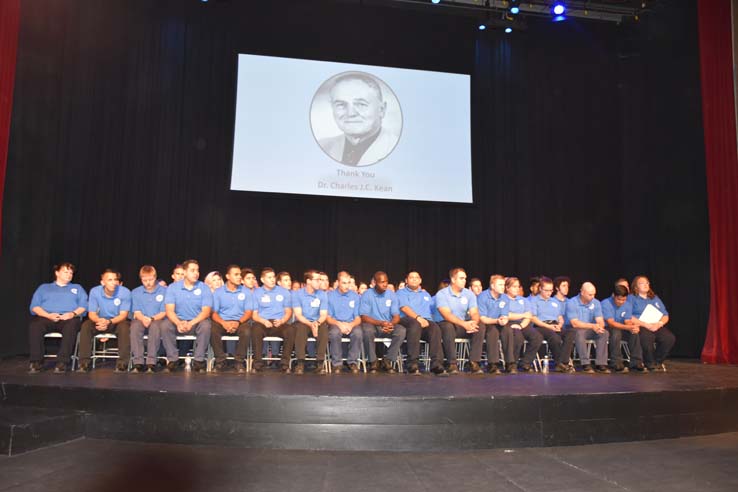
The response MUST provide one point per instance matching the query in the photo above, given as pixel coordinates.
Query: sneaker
(84, 366)
(172, 366)
(121, 368)
(512, 369)
(374, 367)
(337, 369)
(494, 369)
(387, 367)
(150, 368)
(474, 368)
(60, 368)
(299, 369)
(603, 369)
(139, 369)
(452, 369)
(354, 368)
(413, 370)
(588, 369)
(199, 366)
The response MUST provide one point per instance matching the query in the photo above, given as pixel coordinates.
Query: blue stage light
(436, 1)
(508, 30)
(559, 18)
(482, 27)
(514, 10)
(558, 9)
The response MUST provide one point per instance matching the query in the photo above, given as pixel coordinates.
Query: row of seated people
(499, 316)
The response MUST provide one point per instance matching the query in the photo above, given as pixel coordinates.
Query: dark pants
(450, 332)
(243, 332)
(494, 334)
(121, 330)
(302, 333)
(634, 347)
(560, 343)
(664, 340)
(285, 331)
(431, 334)
(534, 339)
(40, 326)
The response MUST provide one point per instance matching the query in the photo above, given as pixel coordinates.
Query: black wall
(587, 149)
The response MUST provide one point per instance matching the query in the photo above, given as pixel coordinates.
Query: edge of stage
(368, 412)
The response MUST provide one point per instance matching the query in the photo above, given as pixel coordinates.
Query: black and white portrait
(356, 118)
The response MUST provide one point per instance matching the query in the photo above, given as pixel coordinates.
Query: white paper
(651, 314)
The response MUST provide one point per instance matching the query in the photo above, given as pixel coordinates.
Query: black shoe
(199, 366)
(639, 367)
(320, 368)
(527, 368)
(220, 367)
(84, 366)
(452, 369)
(172, 366)
(121, 368)
(374, 367)
(150, 368)
(60, 368)
(35, 368)
(603, 369)
(474, 368)
(561, 368)
(660, 367)
(588, 369)
(299, 369)
(354, 368)
(439, 371)
(413, 370)
(241, 367)
(621, 369)
(512, 369)
(139, 369)
(494, 369)
(285, 369)
(337, 369)
(387, 367)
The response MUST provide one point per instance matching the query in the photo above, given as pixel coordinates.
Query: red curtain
(721, 159)
(9, 22)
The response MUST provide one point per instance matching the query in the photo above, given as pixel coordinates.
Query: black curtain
(586, 147)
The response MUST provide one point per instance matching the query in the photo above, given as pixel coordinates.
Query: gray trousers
(370, 332)
(169, 335)
(580, 339)
(137, 342)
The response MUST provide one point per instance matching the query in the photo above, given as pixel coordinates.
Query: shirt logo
(352, 304)
(464, 301)
(116, 301)
(159, 298)
(280, 298)
(241, 296)
(197, 292)
(554, 304)
(388, 302)
(622, 315)
(657, 305)
(315, 302)
(520, 301)
(73, 290)
(265, 299)
(426, 298)
(591, 307)
(502, 304)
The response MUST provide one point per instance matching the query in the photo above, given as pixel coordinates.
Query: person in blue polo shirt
(549, 322)
(617, 310)
(651, 333)
(147, 305)
(56, 307)
(380, 317)
(310, 307)
(344, 321)
(585, 315)
(416, 317)
(108, 310)
(188, 304)
(272, 315)
(458, 307)
(519, 314)
(233, 306)
(495, 325)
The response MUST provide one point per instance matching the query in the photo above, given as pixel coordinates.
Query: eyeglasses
(547, 290)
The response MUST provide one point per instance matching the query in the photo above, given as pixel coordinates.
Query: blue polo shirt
(619, 314)
(343, 306)
(459, 304)
(491, 307)
(639, 304)
(109, 307)
(435, 315)
(272, 303)
(417, 300)
(586, 313)
(379, 306)
(519, 305)
(149, 303)
(54, 298)
(188, 303)
(311, 304)
(230, 305)
(546, 309)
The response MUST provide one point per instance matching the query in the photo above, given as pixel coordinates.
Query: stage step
(24, 429)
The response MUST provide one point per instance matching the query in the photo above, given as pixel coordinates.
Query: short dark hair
(545, 280)
(186, 264)
(561, 279)
(309, 274)
(64, 264)
(620, 291)
(454, 271)
(245, 271)
(110, 270)
(379, 273)
(534, 280)
(231, 267)
(266, 270)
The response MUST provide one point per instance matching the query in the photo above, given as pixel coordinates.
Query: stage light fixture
(558, 8)
(482, 27)
(514, 10)
(508, 30)
(436, 1)
(559, 18)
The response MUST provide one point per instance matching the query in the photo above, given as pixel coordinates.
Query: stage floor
(681, 375)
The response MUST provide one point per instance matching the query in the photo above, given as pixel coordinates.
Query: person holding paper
(585, 315)
(650, 313)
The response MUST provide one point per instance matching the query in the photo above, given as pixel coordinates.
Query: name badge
(116, 301)
(464, 301)
(159, 298)
(352, 304)
(197, 292)
(266, 299)
(241, 296)
(388, 302)
(315, 303)
(73, 290)
(280, 298)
